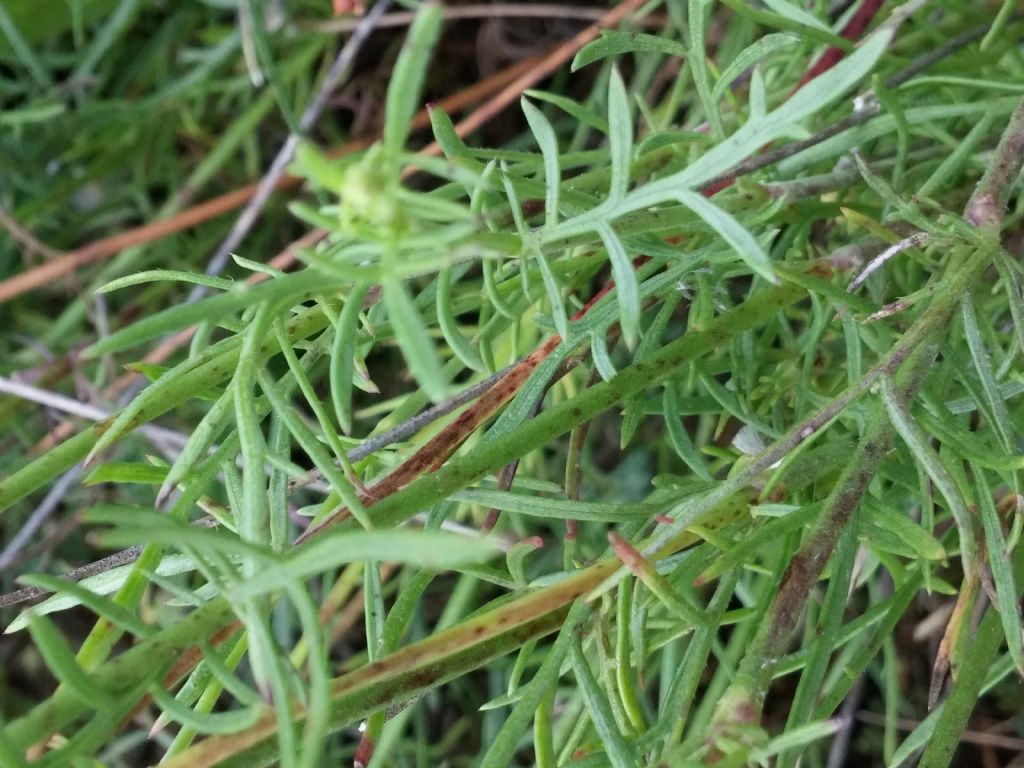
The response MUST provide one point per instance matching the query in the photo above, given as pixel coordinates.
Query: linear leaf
(572, 108)
(678, 435)
(166, 275)
(406, 82)
(101, 606)
(561, 509)
(425, 549)
(61, 662)
(618, 750)
(413, 339)
(613, 43)
(212, 309)
(917, 442)
(620, 136)
(554, 293)
(461, 348)
(548, 143)
(750, 56)
(697, 24)
(626, 289)
(602, 360)
(206, 722)
(795, 14)
(1001, 423)
(746, 247)
(1007, 594)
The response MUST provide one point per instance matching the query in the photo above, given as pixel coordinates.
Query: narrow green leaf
(101, 584)
(160, 275)
(61, 662)
(253, 514)
(223, 671)
(554, 293)
(1001, 423)
(1007, 593)
(343, 353)
(908, 211)
(23, 50)
(746, 247)
(697, 23)
(917, 442)
(101, 606)
(678, 435)
(407, 78)
(613, 43)
(750, 56)
(620, 754)
(212, 309)
(257, 267)
(444, 133)
(998, 24)
(571, 108)
(425, 549)
(754, 134)
(796, 738)
(231, 721)
(252, 11)
(555, 508)
(500, 752)
(649, 343)
(198, 443)
(461, 348)
(308, 441)
(796, 14)
(126, 472)
(779, 21)
(620, 136)
(627, 291)
(602, 360)
(887, 525)
(548, 143)
(413, 339)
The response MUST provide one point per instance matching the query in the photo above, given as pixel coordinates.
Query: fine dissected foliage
(748, 351)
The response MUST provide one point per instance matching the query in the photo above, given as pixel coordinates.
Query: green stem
(742, 702)
(461, 472)
(985, 208)
(957, 709)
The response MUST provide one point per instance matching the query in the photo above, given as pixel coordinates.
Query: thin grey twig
(410, 426)
(39, 516)
(132, 554)
(28, 594)
(252, 210)
(159, 435)
(407, 428)
(116, 560)
(25, 237)
(839, 751)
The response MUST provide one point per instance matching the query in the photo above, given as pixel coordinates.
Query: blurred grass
(115, 114)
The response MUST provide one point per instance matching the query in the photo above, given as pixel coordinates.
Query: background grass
(701, 336)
